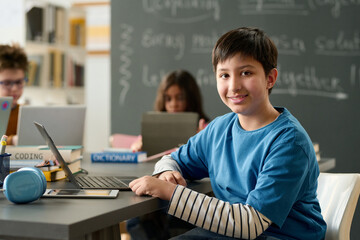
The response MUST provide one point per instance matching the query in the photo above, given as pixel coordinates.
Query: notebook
(84, 182)
(5, 103)
(162, 131)
(57, 118)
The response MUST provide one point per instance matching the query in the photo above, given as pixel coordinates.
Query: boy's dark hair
(188, 85)
(13, 57)
(250, 42)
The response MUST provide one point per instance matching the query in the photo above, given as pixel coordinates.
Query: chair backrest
(338, 194)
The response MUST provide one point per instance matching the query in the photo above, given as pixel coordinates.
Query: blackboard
(319, 61)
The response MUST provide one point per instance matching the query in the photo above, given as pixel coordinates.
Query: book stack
(54, 172)
(42, 157)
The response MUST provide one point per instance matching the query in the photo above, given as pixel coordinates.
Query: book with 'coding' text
(69, 153)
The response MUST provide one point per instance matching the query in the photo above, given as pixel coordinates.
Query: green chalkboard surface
(319, 61)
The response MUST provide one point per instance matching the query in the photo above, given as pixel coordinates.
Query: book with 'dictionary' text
(118, 157)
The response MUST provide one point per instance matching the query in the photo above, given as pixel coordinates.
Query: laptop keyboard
(100, 182)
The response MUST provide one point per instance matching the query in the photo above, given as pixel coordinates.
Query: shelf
(43, 29)
(46, 96)
(56, 49)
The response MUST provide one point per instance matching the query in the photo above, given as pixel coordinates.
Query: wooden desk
(50, 218)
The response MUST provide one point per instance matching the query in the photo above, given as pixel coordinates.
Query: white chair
(338, 194)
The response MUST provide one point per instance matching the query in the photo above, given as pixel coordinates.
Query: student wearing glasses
(13, 67)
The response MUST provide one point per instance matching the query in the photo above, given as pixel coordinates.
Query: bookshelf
(52, 33)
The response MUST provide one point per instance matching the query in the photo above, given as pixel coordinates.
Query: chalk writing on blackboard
(309, 82)
(335, 6)
(152, 77)
(340, 45)
(296, 92)
(293, 7)
(125, 61)
(176, 41)
(289, 45)
(203, 43)
(205, 78)
(178, 11)
(285, 7)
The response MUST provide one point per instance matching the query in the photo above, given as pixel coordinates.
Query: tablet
(80, 193)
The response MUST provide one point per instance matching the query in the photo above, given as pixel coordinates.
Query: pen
(3, 144)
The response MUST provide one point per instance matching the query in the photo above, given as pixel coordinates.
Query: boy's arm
(232, 220)
(168, 170)
(166, 163)
(236, 220)
(168, 173)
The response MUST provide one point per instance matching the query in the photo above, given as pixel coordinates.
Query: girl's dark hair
(250, 42)
(13, 57)
(188, 85)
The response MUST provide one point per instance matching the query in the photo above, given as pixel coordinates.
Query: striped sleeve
(232, 220)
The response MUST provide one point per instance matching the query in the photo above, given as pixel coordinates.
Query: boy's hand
(173, 177)
(152, 186)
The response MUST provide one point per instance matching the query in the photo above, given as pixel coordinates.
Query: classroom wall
(319, 61)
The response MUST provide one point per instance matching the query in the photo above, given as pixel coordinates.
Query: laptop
(162, 131)
(81, 181)
(57, 119)
(5, 109)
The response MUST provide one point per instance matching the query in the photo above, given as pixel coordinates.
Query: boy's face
(12, 83)
(243, 86)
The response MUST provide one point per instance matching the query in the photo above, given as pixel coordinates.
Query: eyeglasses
(8, 84)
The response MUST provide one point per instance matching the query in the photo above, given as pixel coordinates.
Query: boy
(13, 66)
(260, 161)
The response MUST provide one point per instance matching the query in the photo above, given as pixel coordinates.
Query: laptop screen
(162, 131)
(5, 109)
(56, 153)
(56, 118)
